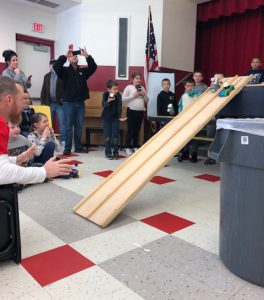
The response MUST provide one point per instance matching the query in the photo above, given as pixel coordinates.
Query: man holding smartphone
(75, 92)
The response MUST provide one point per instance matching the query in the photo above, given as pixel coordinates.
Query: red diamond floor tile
(208, 177)
(167, 222)
(161, 180)
(50, 266)
(104, 173)
(155, 179)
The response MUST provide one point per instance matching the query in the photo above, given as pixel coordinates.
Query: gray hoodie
(21, 77)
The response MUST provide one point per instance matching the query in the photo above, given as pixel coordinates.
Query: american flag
(151, 49)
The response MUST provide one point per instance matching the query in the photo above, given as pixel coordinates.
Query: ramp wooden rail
(106, 201)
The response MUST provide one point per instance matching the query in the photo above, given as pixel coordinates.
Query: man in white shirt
(11, 106)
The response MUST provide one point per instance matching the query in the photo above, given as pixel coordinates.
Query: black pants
(134, 121)
(190, 148)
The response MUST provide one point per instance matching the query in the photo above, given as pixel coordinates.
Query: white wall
(16, 18)
(26, 54)
(95, 26)
(69, 29)
(178, 34)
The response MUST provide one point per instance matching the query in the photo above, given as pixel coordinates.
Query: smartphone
(138, 87)
(76, 52)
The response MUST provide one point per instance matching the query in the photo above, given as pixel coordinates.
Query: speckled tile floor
(68, 257)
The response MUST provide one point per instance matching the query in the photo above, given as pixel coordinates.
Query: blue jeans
(46, 154)
(111, 134)
(74, 115)
(58, 109)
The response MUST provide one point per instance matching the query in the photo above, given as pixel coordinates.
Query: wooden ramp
(106, 201)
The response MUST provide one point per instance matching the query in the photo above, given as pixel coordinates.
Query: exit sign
(37, 27)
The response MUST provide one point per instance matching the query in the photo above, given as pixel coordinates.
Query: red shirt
(4, 136)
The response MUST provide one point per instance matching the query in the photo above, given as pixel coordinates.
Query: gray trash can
(241, 157)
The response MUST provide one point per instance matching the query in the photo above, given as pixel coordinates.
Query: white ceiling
(63, 4)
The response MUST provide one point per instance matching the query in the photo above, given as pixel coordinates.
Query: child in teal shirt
(187, 98)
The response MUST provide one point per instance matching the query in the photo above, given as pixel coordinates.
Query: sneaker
(135, 149)
(179, 157)
(210, 161)
(128, 151)
(109, 156)
(80, 150)
(115, 156)
(66, 152)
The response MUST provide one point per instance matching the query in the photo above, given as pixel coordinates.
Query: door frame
(35, 40)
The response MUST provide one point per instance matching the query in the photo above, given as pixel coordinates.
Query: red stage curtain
(219, 8)
(229, 43)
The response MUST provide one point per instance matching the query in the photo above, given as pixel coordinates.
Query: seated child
(43, 137)
(19, 146)
(27, 113)
(166, 102)
(199, 85)
(187, 98)
(258, 73)
(112, 111)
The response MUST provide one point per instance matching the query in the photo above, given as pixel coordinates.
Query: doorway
(34, 55)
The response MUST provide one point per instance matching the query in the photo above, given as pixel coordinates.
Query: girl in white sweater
(43, 137)
(135, 96)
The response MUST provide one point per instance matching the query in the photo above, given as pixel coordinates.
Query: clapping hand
(25, 156)
(46, 133)
(17, 71)
(52, 132)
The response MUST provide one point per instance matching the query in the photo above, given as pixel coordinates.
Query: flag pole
(149, 10)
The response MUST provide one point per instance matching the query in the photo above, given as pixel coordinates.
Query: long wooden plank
(150, 147)
(103, 204)
(132, 164)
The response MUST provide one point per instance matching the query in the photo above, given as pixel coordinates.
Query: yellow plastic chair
(43, 109)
